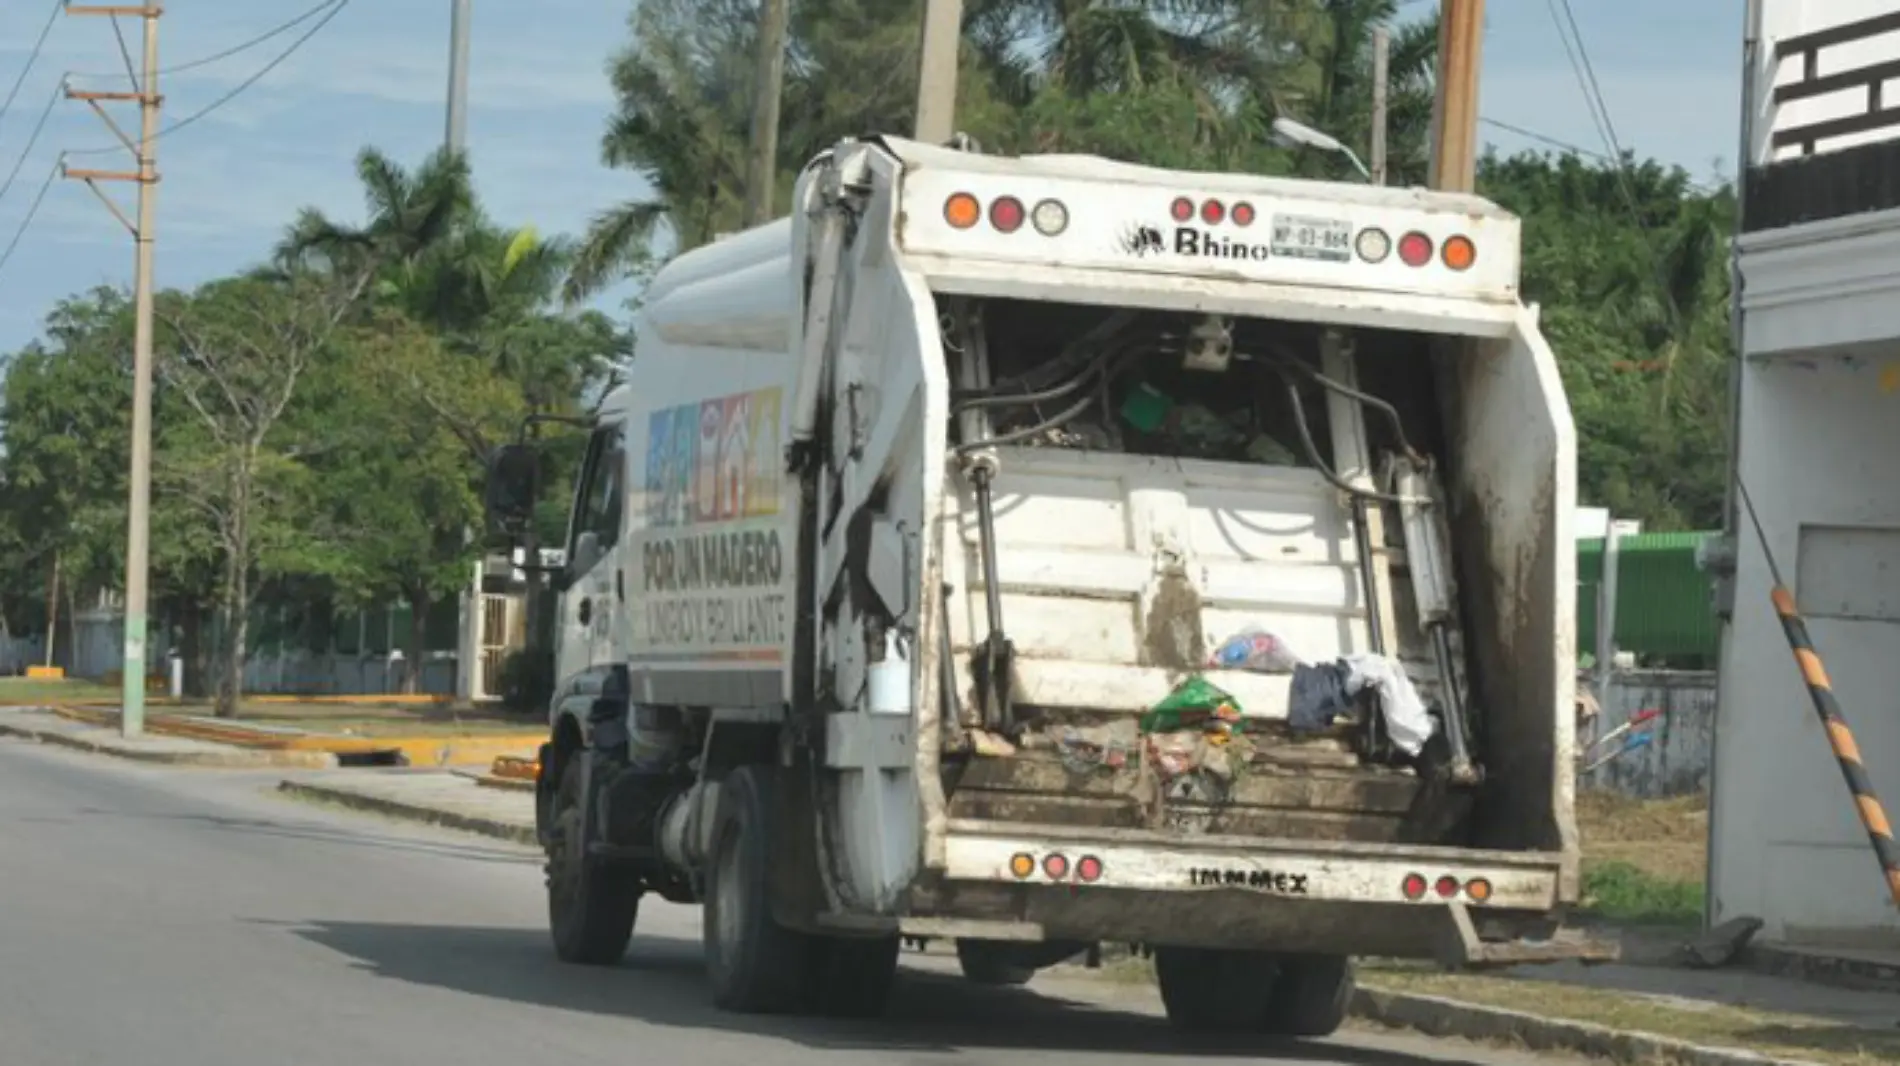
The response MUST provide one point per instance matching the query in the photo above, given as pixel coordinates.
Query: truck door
(594, 595)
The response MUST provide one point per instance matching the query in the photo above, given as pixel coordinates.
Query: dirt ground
(1666, 839)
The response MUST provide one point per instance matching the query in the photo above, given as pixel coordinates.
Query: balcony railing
(1812, 84)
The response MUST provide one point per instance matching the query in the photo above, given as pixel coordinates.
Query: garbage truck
(1035, 553)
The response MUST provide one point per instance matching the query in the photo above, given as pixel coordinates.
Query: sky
(1669, 71)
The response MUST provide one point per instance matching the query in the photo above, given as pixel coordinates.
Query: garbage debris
(1086, 749)
(1194, 703)
(1254, 649)
(1324, 692)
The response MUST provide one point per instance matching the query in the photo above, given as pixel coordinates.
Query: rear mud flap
(1461, 948)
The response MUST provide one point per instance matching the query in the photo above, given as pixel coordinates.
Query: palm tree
(409, 214)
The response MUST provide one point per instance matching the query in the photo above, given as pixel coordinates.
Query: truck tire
(591, 905)
(756, 965)
(1311, 996)
(852, 977)
(1209, 991)
(985, 962)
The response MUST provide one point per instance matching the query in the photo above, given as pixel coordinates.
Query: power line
(336, 8)
(31, 58)
(33, 138)
(1590, 72)
(32, 210)
(1545, 138)
(243, 46)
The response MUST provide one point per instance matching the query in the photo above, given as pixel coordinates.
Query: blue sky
(1669, 71)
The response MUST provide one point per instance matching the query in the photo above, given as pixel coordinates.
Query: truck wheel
(852, 977)
(1311, 995)
(756, 965)
(591, 905)
(1208, 991)
(985, 962)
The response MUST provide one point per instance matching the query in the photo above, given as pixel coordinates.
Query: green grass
(1621, 892)
(25, 692)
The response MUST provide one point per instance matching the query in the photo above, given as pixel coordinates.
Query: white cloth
(1405, 719)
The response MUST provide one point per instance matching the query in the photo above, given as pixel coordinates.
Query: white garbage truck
(1035, 553)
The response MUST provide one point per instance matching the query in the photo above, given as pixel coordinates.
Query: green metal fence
(1663, 606)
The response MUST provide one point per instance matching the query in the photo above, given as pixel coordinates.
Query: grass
(369, 717)
(1644, 861)
(1787, 1036)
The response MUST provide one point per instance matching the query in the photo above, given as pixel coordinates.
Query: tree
(235, 353)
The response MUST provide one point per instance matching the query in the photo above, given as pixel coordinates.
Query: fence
(1678, 744)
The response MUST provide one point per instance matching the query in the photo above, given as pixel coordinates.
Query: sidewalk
(438, 747)
(48, 727)
(435, 797)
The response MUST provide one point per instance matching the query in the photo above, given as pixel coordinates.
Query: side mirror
(514, 473)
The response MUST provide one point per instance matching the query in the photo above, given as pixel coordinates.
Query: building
(1818, 453)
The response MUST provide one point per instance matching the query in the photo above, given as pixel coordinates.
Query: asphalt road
(167, 917)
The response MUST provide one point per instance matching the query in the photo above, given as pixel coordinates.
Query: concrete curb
(444, 749)
(1436, 1016)
(233, 759)
(1822, 968)
(488, 827)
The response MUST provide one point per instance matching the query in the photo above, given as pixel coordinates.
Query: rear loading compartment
(1150, 497)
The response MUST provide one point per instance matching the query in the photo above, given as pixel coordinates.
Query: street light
(1299, 133)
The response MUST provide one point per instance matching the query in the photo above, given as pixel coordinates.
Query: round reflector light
(1447, 887)
(1183, 209)
(1056, 866)
(1007, 214)
(1243, 214)
(1414, 886)
(1459, 253)
(1089, 868)
(1212, 212)
(962, 211)
(1022, 864)
(1479, 891)
(1415, 249)
(1373, 245)
(1050, 218)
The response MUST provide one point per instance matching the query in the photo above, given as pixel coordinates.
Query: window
(602, 492)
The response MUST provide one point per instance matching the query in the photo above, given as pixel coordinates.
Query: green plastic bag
(1194, 704)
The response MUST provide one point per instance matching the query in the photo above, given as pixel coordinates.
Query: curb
(1824, 969)
(1436, 1016)
(488, 827)
(428, 750)
(236, 759)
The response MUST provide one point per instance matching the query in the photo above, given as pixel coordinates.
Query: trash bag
(1256, 650)
(1194, 704)
(1406, 720)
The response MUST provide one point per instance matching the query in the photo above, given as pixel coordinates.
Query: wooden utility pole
(937, 72)
(138, 506)
(768, 85)
(1381, 76)
(1455, 110)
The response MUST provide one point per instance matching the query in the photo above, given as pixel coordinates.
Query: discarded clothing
(1406, 720)
(1318, 696)
(1323, 692)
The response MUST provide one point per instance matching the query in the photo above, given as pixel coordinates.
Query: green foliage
(1623, 893)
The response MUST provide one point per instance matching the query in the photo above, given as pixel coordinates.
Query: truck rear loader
(1042, 552)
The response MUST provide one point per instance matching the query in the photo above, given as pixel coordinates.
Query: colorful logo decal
(714, 461)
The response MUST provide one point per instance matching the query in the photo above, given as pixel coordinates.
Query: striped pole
(1841, 739)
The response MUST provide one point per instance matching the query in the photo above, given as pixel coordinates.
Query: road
(169, 917)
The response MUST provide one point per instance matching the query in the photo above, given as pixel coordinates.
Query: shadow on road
(661, 983)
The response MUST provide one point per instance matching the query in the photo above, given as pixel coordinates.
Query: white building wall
(1820, 456)
(1783, 19)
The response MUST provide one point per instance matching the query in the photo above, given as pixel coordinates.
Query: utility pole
(1381, 76)
(456, 138)
(144, 232)
(768, 85)
(1455, 109)
(937, 73)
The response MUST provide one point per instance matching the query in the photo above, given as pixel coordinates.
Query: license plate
(1304, 237)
